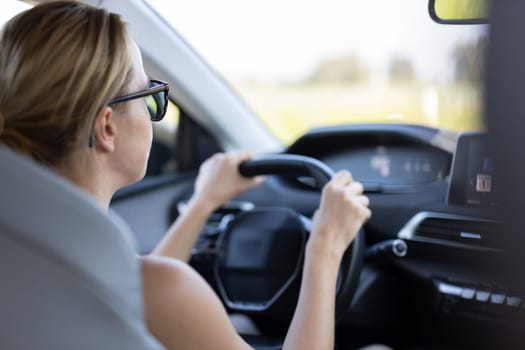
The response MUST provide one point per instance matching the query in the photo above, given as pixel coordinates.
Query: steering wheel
(261, 252)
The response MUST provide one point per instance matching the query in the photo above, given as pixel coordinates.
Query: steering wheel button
(497, 298)
(482, 295)
(468, 293)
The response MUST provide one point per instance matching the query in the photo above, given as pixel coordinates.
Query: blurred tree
(341, 69)
(469, 61)
(400, 69)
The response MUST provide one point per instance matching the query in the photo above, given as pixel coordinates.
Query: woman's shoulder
(167, 270)
(170, 285)
(179, 306)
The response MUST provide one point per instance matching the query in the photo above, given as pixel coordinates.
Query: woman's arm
(181, 236)
(342, 211)
(218, 182)
(313, 323)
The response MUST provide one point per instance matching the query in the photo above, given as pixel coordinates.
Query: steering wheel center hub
(259, 256)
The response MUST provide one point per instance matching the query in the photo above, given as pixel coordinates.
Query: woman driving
(74, 97)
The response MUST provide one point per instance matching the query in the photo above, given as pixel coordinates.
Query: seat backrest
(69, 277)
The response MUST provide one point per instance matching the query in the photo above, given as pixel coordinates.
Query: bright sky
(285, 39)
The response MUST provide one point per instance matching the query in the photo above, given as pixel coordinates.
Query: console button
(468, 293)
(482, 295)
(514, 301)
(449, 289)
(497, 298)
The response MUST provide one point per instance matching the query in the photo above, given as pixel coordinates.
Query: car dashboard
(425, 190)
(385, 158)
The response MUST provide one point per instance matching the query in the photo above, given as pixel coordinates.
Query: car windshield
(305, 64)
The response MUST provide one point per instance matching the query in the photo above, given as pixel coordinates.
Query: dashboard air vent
(455, 230)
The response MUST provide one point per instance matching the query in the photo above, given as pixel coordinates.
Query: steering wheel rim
(351, 264)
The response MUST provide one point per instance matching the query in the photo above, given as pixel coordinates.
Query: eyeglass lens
(156, 104)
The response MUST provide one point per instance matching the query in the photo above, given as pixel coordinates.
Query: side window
(179, 143)
(161, 159)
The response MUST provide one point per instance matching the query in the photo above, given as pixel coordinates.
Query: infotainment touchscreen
(473, 180)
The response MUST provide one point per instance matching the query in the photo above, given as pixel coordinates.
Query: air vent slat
(477, 233)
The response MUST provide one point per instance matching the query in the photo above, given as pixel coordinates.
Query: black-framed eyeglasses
(156, 98)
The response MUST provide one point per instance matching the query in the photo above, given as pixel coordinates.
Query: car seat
(69, 277)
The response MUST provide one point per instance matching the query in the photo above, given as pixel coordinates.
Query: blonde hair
(60, 63)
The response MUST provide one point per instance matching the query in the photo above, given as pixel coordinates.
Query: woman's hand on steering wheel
(219, 180)
(342, 211)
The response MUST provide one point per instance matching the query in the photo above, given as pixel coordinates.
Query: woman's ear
(105, 130)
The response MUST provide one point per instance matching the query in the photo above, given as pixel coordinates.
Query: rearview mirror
(459, 11)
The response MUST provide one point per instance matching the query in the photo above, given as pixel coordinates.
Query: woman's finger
(341, 178)
(363, 200)
(354, 189)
